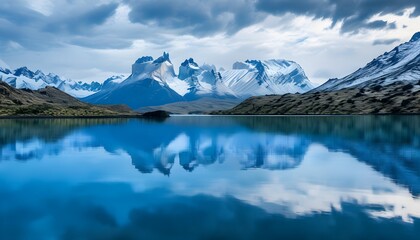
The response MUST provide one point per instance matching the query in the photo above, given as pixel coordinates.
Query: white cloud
(323, 52)
(42, 6)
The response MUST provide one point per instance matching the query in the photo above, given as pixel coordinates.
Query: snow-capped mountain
(113, 81)
(25, 78)
(154, 82)
(146, 86)
(255, 77)
(194, 82)
(400, 64)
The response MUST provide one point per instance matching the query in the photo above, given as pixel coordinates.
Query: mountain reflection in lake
(198, 177)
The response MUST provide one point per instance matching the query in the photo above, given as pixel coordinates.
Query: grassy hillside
(51, 102)
(397, 98)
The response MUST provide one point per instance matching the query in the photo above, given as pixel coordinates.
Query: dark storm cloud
(83, 21)
(17, 13)
(354, 14)
(22, 26)
(196, 17)
(385, 41)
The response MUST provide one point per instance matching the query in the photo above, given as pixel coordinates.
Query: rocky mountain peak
(163, 58)
(415, 37)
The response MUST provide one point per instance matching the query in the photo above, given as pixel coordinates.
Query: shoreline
(326, 115)
(71, 117)
(205, 115)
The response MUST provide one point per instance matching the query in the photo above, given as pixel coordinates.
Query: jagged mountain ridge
(25, 78)
(146, 86)
(275, 76)
(196, 82)
(154, 82)
(390, 84)
(400, 64)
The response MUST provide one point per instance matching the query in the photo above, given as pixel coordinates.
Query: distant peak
(257, 64)
(39, 72)
(185, 63)
(144, 59)
(52, 75)
(254, 62)
(24, 71)
(163, 58)
(415, 37)
(188, 62)
(22, 68)
(115, 77)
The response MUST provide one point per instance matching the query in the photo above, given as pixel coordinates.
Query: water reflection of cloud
(115, 211)
(319, 184)
(318, 172)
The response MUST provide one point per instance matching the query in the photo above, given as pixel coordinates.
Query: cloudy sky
(92, 40)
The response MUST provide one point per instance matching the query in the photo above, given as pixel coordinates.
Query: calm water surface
(193, 177)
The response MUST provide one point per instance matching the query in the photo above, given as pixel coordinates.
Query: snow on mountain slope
(159, 70)
(79, 89)
(188, 68)
(196, 82)
(25, 78)
(255, 77)
(113, 81)
(154, 82)
(146, 86)
(400, 64)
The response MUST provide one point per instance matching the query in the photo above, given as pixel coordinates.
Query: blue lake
(208, 177)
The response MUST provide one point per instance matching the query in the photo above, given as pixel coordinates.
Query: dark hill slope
(397, 98)
(52, 102)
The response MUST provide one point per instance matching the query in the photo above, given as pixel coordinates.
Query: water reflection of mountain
(390, 144)
(27, 139)
(160, 146)
(48, 130)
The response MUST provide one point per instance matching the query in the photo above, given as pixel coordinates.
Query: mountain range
(153, 82)
(389, 84)
(25, 78)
